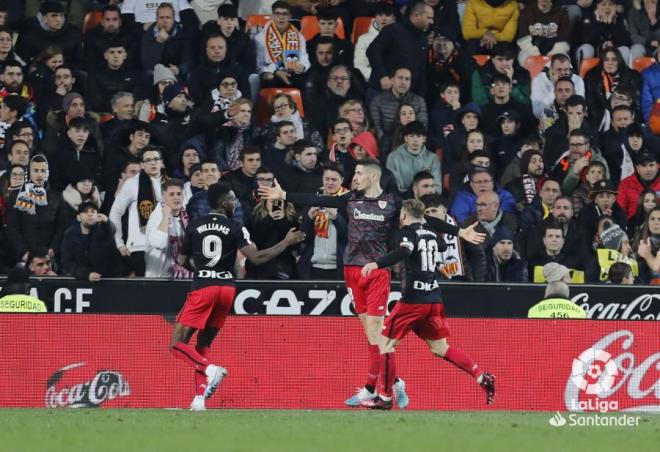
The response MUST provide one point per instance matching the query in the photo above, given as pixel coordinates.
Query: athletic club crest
(382, 204)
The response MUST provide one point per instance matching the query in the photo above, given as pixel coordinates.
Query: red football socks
(200, 377)
(188, 354)
(461, 359)
(374, 365)
(387, 373)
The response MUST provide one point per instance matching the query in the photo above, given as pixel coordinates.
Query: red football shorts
(369, 294)
(426, 320)
(207, 307)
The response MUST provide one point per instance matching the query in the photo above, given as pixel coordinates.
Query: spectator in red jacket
(646, 176)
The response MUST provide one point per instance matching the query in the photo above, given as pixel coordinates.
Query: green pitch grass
(93, 430)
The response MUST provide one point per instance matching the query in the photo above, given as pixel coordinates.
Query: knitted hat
(612, 237)
(527, 157)
(68, 100)
(163, 73)
(171, 92)
(51, 7)
(553, 272)
(509, 114)
(195, 167)
(502, 233)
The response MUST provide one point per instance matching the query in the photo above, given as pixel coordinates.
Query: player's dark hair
(618, 271)
(432, 200)
(371, 163)
(414, 207)
(249, 150)
(85, 206)
(173, 182)
(217, 193)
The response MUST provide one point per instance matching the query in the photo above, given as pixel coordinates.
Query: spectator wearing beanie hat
(604, 203)
(81, 189)
(525, 188)
(553, 272)
(172, 127)
(57, 123)
(613, 246)
(147, 109)
(508, 139)
(50, 28)
(503, 263)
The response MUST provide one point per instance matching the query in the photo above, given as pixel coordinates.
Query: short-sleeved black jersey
(418, 273)
(212, 241)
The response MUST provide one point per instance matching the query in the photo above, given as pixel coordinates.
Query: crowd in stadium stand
(538, 119)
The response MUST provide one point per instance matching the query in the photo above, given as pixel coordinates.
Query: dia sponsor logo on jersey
(67, 387)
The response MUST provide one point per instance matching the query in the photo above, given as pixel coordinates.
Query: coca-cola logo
(636, 386)
(104, 385)
(644, 307)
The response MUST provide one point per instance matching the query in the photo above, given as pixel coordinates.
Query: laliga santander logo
(610, 382)
(103, 386)
(594, 371)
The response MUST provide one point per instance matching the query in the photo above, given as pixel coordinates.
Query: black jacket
(177, 50)
(207, 76)
(67, 158)
(104, 82)
(305, 263)
(44, 228)
(514, 270)
(266, 232)
(240, 48)
(400, 44)
(531, 242)
(35, 38)
(96, 41)
(95, 252)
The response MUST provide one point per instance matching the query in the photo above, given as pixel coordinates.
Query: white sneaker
(214, 376)
(400, 395)
(362, 395)
(198, 404)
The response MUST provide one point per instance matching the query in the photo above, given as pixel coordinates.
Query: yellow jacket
(501, 21)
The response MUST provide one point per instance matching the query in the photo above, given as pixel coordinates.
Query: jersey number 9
(212, 249)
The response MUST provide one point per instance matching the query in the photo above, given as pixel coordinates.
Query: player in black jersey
(420, 308)
(213, 241)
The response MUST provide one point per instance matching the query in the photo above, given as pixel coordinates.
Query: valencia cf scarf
(322, 219)
(451, 260)
(283, 49)
(146, 201)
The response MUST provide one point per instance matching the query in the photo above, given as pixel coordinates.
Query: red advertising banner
(317, 362)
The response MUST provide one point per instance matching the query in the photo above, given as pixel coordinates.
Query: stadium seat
(105, 117)
(481, 59)
(92, 19)
(310, 27)
(642, 63)
(536, 64)
(255, 23)
(361, 26)
(587, 65)
(264, 110)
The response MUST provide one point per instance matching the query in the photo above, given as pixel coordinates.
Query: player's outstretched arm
(258, 257)
(470, 235)
(276, 193)
(387, 261)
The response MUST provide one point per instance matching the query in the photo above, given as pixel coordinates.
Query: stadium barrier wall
(304, 362)
(67, 295)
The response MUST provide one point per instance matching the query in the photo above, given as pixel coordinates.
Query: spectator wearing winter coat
(166, 42)
(603, 25)
(646, 177)
(385, 106)
(75, 148)
(525, 188)
(88, 248)
(543, 29)
(413, 157)
(81, 190)
(543, 85)
(488, 22)
(110, 77)
(303, 174)
(651, 89)
(240, 48)
(48, 28)
(503, 263)
(384, 15)
(111, 30)
(502, 62)
(554, 249)
(541, 205)
(644, 34)
(501, 102)
(571, 166)
(604, 204)
(173, 126)
(595, 173)
(465, 200)
(403, 44)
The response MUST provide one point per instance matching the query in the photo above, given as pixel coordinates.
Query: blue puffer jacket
(650, 89)
(465, 202)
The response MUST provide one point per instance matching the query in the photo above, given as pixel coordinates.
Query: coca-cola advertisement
(63, 361)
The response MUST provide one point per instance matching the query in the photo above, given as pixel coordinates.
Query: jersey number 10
(428, 251)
